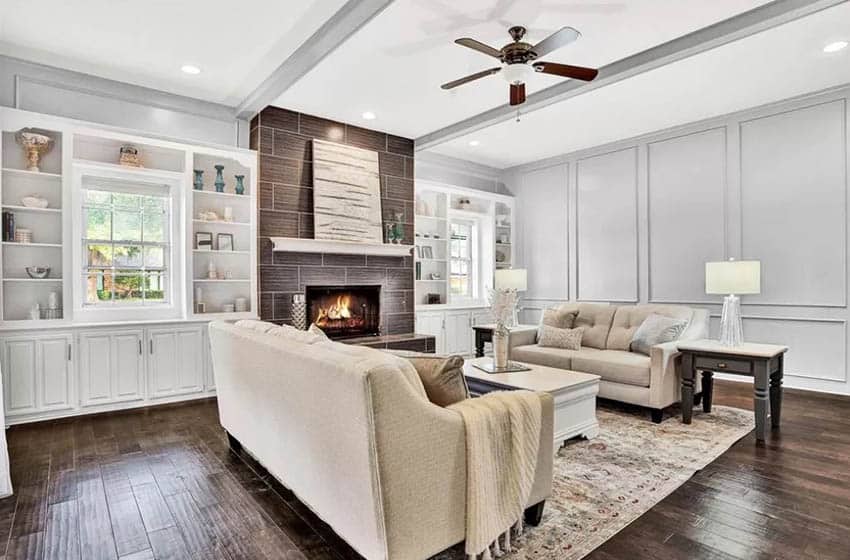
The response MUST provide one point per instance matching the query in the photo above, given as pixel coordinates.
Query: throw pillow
(553, 337)
(656, 329)
(558, 318)
(442, 376)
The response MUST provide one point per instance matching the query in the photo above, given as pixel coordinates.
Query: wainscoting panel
(794, 204)
(686, 184)
(544, 196)
(606, 198)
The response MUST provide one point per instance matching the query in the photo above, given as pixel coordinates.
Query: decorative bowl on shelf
(35, 144)
(34, 202)
(38, 272)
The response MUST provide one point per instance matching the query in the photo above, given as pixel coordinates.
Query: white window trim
(173, 308)
(475, 272)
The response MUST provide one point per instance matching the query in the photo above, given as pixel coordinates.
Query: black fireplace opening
(345, 311)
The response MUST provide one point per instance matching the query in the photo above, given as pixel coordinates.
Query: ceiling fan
(516, 57)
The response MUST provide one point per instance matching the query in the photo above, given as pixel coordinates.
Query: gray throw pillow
(555, 317)
(442, 376)
(656, 329)
(553, 337)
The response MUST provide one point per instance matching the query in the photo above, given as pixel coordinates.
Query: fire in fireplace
(345, 311)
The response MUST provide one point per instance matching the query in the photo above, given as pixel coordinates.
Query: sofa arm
(664, 374)
(522, 337)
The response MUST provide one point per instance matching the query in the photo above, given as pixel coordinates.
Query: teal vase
(219, 178)
(240, 186)
(199, 179)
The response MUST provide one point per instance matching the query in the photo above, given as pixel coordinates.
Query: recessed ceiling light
(474, 143)
(835, 47)
(189, 69)
(369, 116)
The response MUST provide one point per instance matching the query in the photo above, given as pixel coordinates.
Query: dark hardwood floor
(161, 483)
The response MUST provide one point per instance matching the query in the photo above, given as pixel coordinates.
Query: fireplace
(345, 311)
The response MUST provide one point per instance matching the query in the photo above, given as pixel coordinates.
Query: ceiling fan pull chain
(517, 115)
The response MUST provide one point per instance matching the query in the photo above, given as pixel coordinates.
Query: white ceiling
(395, 64)
(773, 65)
(236, 44)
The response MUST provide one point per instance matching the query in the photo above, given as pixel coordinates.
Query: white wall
(635, 221)
(53, 91)
(447, 170)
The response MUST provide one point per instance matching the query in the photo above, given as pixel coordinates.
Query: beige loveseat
(351, 432)
(651, 381)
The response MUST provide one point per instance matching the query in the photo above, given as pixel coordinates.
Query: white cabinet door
(111, 367)
(432, 323)
(19, 376)
(209, 373)
(128, 375)
(176, 361)
(55, 374)
(190, 360)
(458, 327)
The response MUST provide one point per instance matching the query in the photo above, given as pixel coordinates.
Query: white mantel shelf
(295, 245)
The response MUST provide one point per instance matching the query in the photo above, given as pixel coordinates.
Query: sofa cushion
(615, 365)
(656, 329)
(628, 318)
(442, 377)
(553, 337)
(552, 357)
(594, 319)
(557, 317)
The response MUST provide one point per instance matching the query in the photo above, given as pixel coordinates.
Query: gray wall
(439, 168)
(53, 91)
(635, 221)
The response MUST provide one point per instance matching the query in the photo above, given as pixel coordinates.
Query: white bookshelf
(435, 207)
(79, 146)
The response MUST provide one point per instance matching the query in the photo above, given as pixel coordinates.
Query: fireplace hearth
(345, 311)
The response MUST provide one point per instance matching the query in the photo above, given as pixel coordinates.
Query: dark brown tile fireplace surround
(283, 139)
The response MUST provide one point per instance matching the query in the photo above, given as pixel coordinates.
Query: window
(462, 253)
(125, 242)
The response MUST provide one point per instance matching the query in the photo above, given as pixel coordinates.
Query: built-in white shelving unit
(436, 207)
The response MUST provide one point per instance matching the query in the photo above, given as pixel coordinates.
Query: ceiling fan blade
(479, 46)
(566, 71)
(517, 94)
(471, 77)
(556, 40)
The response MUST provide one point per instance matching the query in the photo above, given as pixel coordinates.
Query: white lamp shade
(733, 277)
(511, 279)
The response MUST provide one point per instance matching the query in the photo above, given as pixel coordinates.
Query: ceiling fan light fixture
(517, 73)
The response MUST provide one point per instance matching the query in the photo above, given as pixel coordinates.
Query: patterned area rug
(603, 484)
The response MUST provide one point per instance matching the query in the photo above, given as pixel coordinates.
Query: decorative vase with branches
(502, 305)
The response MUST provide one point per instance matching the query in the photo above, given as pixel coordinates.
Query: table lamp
(732, 277)
(512, 279)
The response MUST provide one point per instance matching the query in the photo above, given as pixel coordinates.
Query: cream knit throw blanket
(502, 441)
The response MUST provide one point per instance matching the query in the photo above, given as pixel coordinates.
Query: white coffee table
(574, 394)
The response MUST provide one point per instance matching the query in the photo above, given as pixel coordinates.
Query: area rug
(603, 484)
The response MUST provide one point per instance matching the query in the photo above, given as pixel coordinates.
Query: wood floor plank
(127, 526)
(96, 540)
(155, 512)
(167, 544)
(31, 510)
(26, 547)
(190, 522)
(62, 540)
(62, 486)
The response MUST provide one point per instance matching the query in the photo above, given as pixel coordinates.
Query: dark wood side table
(484, 333)
(763, 362)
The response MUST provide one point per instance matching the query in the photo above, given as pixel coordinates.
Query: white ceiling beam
(737, 27)
(333, 33)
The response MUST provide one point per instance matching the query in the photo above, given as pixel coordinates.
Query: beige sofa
(651, 381)
(351, 432)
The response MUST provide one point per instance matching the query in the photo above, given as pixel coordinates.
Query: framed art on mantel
(346, 193)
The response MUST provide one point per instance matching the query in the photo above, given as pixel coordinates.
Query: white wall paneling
(606, 232)
(685, 183)
(794, 204)
(768, 183)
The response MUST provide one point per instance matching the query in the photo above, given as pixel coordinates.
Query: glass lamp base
(731, 328)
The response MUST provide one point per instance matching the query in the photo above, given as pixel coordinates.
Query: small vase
(240, 186)
(198, 183)
(500, 347)
(219, 178)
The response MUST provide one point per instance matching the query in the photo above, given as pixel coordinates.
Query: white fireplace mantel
(295, 245)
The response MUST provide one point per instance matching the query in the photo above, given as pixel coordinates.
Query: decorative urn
(35, 143)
